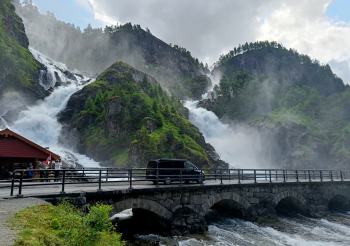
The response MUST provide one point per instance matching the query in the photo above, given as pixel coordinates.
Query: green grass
(48, 225)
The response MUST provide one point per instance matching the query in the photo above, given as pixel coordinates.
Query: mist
(237, 144)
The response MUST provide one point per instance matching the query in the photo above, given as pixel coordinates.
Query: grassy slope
(48, 225)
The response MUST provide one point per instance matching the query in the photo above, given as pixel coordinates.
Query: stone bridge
(186, 209)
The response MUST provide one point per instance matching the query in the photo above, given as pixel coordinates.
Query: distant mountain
(300, 107)
(125, 118)
(94, 50)
(19, 71)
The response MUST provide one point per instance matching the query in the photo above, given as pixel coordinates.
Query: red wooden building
(19, 152)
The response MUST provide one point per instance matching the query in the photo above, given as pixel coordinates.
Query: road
(36, 189)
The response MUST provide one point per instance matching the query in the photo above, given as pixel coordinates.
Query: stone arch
(285, 194)
(145, 204)
(225, 196)
(290, 203)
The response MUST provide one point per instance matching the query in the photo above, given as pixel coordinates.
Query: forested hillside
(93, 50)
(300, 107)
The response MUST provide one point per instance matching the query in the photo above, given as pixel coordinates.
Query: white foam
(39, 122)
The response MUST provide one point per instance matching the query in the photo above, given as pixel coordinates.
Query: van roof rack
(170, 159)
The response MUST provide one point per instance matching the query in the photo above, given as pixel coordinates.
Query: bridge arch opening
(226, 208)
(339, 203)
(140, 216)
(290, 206)
(138, 221)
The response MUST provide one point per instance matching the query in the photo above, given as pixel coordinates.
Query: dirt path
(8, 208)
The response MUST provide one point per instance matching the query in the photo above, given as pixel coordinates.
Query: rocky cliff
(19, 71)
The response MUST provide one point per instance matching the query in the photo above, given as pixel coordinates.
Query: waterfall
(39, 122)
(239, 145)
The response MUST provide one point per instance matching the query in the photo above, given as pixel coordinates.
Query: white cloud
(209, 28)
(306, 28)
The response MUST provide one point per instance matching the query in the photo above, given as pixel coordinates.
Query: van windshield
(190, 165)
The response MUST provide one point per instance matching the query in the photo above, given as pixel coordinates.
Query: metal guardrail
(137, 176)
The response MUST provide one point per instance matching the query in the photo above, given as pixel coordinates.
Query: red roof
(13, 145)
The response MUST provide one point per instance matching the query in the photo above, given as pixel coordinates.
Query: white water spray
(39, 122)
(238, 145)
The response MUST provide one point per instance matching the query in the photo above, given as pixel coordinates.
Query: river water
(299, 231)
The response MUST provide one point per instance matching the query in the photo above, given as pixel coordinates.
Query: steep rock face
(19, 71)
(300, 107)
(125, 118)
(174, 67)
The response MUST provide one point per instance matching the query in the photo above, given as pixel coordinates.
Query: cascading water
(238, 145)
(39, 122)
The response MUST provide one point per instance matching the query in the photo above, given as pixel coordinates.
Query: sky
(319, 28)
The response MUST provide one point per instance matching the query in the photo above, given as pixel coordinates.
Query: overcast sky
(208, 28)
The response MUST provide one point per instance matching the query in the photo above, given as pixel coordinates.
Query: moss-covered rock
(125, 118)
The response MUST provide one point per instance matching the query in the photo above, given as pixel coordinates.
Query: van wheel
(167, 181)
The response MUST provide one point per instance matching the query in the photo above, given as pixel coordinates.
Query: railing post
(229, 174)
(254, 176)
(341, 176)
(321, 176)
(107, 173)
(220, 176)
(100, 181)
(130, 178)
(265, 175)
(331, 174)
(157, 176)
(297, 175)
(13, 183)
(239, 176)
(308, 171)
(284, 176)
(242, 175)
(63, 181)
(20, 185)
(181, 177)
(276, 176)
(270, 176)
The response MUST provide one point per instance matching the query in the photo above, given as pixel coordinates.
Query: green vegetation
(125, 116)
(18, 68)
(288, 96)
(48, 225)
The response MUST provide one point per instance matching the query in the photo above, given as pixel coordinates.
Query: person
(57, 170)
(30, 171)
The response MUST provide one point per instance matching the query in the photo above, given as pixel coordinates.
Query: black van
(170, 170)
